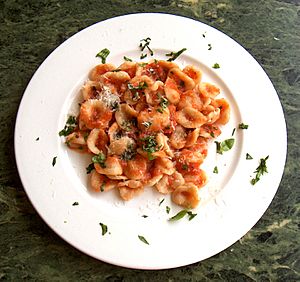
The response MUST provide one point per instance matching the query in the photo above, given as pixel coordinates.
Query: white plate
(230, 204)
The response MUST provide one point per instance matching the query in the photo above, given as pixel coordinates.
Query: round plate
(230, 205)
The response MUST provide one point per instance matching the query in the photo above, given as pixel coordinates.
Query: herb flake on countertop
(260, 170)
(103, 54)
(143, 239)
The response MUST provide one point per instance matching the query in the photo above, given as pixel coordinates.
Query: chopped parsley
(37, 139)
(144, 216)
(127, 59)
(174, 55)
(248, 157)
(225, 145)
(143, 239)
(54, 161)
(233, 131)
(160, 110)
(100, 159)
(147, 124)
(69, 127)
(134, 89)
(209, 47)
(179, 215)
(215, 170)
(103, 55)
(150, 146)
(168, 209)
(75, 204)
(102, 186)
(129, 153)
(116, 70)
(260, 170)
(161, 202)
(216, 66)
(243, 126)
(144, 43)
(104, 228)
(185, 167)
(164, 103)
(89, 168)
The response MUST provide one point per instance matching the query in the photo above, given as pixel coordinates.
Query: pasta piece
(133, 184)
(97, 141)
(125, 116)
(163, 166)
(169, 183)
(208, 90)
(209, 131)
(91, 90)
(162, 142)
(118, 147)
(197, 177)
(153, 119)
(186, 196)
(193, 72)
(114, 132)
(129, 193)
(223, 105)
(190, 99)
(192, 137)
(95, 114)
(112, 166)
(99, 70)
(189, 117)
(136, 168)
(76, 140)
(178, 137)
(129, 67)
(101, 183)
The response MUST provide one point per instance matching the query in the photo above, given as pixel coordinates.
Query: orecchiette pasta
(148, 124)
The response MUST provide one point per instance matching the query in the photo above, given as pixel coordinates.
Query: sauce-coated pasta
(148, 124)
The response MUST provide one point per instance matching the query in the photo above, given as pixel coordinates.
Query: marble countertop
(30, 30)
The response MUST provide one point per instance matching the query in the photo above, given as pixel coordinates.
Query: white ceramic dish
(230, 204)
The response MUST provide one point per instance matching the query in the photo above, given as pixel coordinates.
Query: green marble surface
(30, 30)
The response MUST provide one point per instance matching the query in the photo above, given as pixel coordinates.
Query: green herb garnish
(104, 228)
(69, 127)
(224, 146)
(37, 139)
(216, 66)
(144, 216)
(161, 202)
(100, 159)
(243, 126)
(144, 43)
(150, 146)
(174, 55)
(143, 239)
(215, 170)
(54, 161)
(147, 124)
(168, 209)
(164, 103)
(209, 47)
(185, 167)
(260, 170)
(129, 153)
(248, 157)
(89, 168)
(102, 186)
(233, 131)
(103, 55)
(127, 59)
(75, 204)
(179, 215)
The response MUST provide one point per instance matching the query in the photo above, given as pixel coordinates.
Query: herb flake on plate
(143, 239)
(104, 228)
(260, 170)
(103, 54)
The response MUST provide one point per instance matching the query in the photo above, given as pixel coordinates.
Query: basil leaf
(179, 215)
(143, 239)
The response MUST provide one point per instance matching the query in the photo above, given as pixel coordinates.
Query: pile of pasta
(148, 124)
